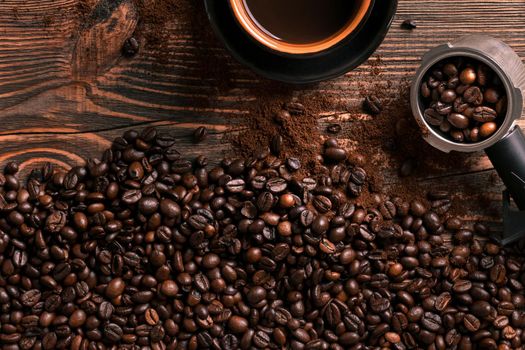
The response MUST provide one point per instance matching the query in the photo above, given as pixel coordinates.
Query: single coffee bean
(113, 332)
(31, 297)
(491, 95)
(431, 321)
(468, 76)
(130, 47)
(471, 322)
(448, 96)
(151, 317)
(261, 339)
(443, 108)
(408, 24)
(425, 90)
(443, 301)
(473, 95)
(458, 120)
(77, 318)
(335, 154)
(487, 129)
(457, 136)
(372, 105)
(432, 117)
(484, 114)
(334, 128)
(200, 134)
(450, 70)
(115, 287)
(275, 144)
(237, 324)
(295, 108)
(498, 274)
(105, 310)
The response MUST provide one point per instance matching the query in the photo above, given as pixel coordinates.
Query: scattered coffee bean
(372, 105)
(408, 24)
(130, 47)
(295, 108)
(333, 128)
(200, 134)
(275, 145)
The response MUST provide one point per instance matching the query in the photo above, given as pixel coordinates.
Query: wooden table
(66, 91)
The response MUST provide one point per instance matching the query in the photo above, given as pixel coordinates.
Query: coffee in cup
(300, 27)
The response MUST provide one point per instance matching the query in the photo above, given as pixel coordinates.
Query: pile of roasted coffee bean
(465, 100)
(143, 249)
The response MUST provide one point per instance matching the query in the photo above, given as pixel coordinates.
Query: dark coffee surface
(302, 21)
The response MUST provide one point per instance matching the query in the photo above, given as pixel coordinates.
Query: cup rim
(254, 30)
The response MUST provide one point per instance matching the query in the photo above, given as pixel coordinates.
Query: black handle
(508, 157)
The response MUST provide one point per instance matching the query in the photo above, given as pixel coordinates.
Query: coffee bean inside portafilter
(145, 249)
(464, 99)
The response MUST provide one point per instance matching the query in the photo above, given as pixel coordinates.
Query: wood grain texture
(66, 92)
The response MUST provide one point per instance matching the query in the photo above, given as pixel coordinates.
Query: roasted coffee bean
(334, 128)
(30, 298)
(450, 70)
(322, 204)
(378, 303)
(458, 120)
(433, 117)
(372, 105)
(261, 339)
(468, 76)
(448, 96)
(113, 332)
(425, 90)
(49, 341)
(487, 129)
(237, 324)
(335, 154)
(408, 24)
(471, 322)
(443, 301)
(473, 95)
(115, 287)
(105, 310)
(295, 108)
(151, 317)
(200, 134)
(56, 221)
(275, 145)
(498, 274)
(484, 114)
(443, 108)
(431, 321)
(130, 47)
(235, 186)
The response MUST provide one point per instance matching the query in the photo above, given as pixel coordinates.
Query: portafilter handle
(508, 158)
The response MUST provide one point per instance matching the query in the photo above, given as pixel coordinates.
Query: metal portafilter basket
(506, 147)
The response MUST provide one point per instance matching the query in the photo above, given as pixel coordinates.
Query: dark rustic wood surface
(66, 92)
